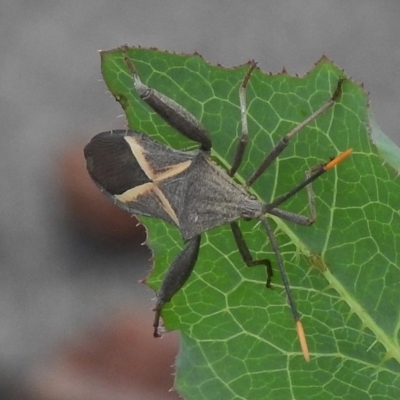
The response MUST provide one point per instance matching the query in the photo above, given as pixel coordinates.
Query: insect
(188, 190)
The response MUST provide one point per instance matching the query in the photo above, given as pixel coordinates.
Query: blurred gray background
(55, 281)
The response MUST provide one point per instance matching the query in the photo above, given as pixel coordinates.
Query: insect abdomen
(112, 165)
(142, 176)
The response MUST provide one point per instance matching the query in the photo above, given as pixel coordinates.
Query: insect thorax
(212, 199)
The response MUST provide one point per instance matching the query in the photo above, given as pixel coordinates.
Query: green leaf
(238, 339)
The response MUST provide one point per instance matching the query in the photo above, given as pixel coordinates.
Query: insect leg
(172, 112)
(176, 276)
(296, 315)
(245, 253)
(242, 143)
(281, 145)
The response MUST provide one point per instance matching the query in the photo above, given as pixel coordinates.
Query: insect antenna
(285, 280)
(316, 172)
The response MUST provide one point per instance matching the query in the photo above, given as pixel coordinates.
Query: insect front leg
(282, 144)
(246, 255)
(176, 276)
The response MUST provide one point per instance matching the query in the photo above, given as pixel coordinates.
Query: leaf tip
(197, 54)
(323, 59)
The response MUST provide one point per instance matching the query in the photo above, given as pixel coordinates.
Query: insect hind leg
(177, 275)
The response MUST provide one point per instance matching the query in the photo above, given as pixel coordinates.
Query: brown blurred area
(115, 361)
(74, 321)
(117, 358)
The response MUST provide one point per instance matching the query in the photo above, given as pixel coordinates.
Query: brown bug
(188, 190)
